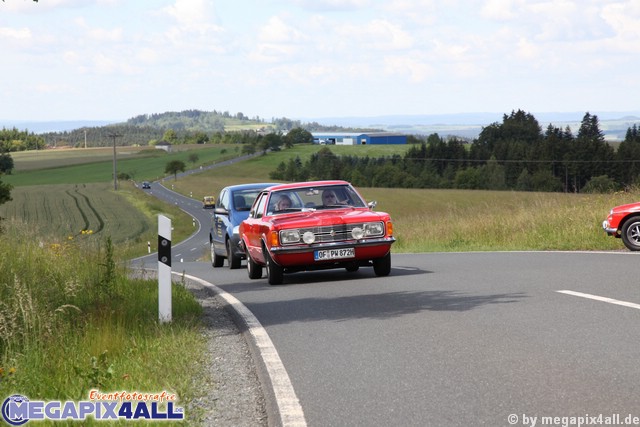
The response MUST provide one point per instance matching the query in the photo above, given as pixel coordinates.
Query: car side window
(224, 200)
(259, 206)
(220, 198)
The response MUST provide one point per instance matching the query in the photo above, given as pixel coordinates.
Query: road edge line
(285, 404)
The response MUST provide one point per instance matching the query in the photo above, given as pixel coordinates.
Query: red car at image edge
(624, 222)
(314, 226)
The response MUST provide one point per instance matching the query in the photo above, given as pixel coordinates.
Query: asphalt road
(452, 339)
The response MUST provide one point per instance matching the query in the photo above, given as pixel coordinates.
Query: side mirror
(372, 204)
(220, 211)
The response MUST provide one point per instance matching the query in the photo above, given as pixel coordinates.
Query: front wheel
(275, 272)
(254, 270)
(233, 260)
(216, 260)
(631, 233)
(382, 266)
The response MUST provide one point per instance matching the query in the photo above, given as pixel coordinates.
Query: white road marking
(603, 299)
(289, 408)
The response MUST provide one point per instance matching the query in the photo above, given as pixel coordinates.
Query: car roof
(251, 186)
(294, 185)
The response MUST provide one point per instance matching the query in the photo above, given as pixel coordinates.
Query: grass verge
(71, 320)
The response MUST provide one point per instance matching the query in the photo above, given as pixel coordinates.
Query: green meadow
(93, 165)
(431, 220)
(65, 199)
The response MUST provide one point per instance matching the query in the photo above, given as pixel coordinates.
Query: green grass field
(428, 220)
(425, 220)
(93, 165)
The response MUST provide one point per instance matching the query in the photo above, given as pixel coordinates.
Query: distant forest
(515, 154)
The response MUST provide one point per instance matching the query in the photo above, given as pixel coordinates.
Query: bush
(600, 184)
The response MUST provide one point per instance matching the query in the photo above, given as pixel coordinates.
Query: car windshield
(314, 198)
(243, 199)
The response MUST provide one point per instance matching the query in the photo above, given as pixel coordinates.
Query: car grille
(333, 233)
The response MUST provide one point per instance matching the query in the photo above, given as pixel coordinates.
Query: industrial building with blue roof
(355, 138)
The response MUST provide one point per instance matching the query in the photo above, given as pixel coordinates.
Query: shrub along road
(454, 339)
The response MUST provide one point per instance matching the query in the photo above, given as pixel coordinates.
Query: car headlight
(357, 233)
(369, 229)
(289, 236)
(308, 237)
(372, 229)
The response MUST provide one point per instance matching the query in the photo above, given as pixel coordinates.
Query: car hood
(326, 217)
(631, 207)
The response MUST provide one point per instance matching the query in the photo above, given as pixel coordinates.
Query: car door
(220, 221)
(251, 228)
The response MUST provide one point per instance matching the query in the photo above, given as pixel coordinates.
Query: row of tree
(514, 154)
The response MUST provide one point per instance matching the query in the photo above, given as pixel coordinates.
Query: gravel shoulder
(235, 397)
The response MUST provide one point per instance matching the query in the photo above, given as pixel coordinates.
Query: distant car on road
(314, 226)
(208, 202)
(624, 222)
(146, 185)
(231, 208)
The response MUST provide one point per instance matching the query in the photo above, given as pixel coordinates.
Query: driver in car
(283, 203)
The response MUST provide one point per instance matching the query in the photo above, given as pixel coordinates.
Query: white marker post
(164, 269)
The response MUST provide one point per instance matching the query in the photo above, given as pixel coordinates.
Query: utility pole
(113, 136)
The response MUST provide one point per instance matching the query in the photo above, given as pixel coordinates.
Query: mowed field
(425, 220)
(69, 193)
(77, 209)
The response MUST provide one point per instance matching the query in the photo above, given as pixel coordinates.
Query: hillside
(141, 129)
(190, 127)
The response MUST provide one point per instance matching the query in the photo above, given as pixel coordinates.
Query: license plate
(334, 254)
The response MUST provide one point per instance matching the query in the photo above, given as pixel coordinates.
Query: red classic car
(313, 226)
(624, 222)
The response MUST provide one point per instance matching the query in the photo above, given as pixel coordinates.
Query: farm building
(164, 145)
(347, 138)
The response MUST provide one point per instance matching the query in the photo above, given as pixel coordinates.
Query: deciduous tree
(175, 166)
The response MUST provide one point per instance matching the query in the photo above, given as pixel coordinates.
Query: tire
(216, 260)
(353, 267)
(275, 273)
(233, 260)
(382, 266)
(254, 270)
(631, 233)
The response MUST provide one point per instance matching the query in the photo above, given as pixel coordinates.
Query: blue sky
(115, 59)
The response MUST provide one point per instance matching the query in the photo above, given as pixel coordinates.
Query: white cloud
(15, 33)
(380, 34)
(500, 10)
(404, 66)
(128, 53)
(277, 41)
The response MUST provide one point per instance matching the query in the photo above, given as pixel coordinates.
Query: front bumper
(611, 231)
(299, 249)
